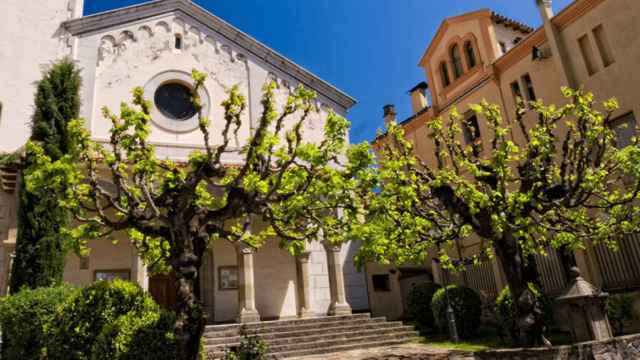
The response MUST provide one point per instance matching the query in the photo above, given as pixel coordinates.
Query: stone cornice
(125, 15)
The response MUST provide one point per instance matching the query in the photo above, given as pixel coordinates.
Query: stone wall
(622, 348)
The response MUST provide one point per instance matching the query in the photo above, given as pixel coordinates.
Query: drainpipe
(558, 49)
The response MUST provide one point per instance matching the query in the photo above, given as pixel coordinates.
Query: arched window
(444, 74)
(470, 54)
(456, 60)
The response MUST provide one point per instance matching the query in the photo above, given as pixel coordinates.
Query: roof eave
(159, 7)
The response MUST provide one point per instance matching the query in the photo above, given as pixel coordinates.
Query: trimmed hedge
(24, 318)
(467, 307)
(419, 305)
(505, 312)
(77, 325)
(144, 335)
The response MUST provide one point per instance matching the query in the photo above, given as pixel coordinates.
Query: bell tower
(31, 39)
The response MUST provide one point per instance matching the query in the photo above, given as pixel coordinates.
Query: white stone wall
(354, 280)
(116, 60)
(30, 40)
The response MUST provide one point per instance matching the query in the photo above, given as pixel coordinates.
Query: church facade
(156, 45)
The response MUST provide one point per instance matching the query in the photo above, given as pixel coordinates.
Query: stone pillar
(436, 269)
(303, 262)
(501, 280)
(247, 312)
(139, 272)
(5, 274)
(339, 305)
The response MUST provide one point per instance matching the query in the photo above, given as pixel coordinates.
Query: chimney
(389, 114)
(419, 99)
(546, 9)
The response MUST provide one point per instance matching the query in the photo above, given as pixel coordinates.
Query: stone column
(247, 312)
(501, 280)
(436, 269)
(339, 305)
(5, 276)
(139, 273)
(303, 262)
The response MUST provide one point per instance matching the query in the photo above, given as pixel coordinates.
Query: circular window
(174, 101)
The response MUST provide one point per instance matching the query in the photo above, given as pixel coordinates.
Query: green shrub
(24, 318)
(505, 312)
(80, 321)
(619, 310)
(250, 348)
(142, 335)
(419, 305)
(467, 307)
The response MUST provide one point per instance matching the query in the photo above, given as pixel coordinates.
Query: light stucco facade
(591, 44)
(150, 45)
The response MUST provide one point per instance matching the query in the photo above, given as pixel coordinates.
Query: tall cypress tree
(41, 246)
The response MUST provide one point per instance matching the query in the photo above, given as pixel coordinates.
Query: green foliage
(95, 312)
(250, 348)
(467, 307)
(138, 335)
(552, 177)
(25, 317)
(419, 304)
(505, 310)
(41, 244)
(297, 188)
(619, 310)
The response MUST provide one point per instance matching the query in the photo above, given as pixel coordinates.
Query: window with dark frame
(531, 93)
(471, 133)
(381, 283)
(471, 54)
(503, 47)
(515, 90)
(456, 60)
(625, 129)
(444, 74)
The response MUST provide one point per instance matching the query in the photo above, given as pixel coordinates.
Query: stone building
(483, 55)
(156, 45)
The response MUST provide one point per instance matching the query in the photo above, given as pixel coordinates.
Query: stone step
(298, 333)
(293, 328)
(325, 336)
(323, 345)
(252, 327)
(339, 348)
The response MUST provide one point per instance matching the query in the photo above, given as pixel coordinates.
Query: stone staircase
(315, 336)
(8, 179)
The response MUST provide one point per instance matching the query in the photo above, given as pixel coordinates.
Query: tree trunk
(528, 327)
(190, 318)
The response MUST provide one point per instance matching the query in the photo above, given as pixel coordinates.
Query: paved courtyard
(397, 352)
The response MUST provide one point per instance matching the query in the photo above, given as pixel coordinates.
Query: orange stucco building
(591, 44)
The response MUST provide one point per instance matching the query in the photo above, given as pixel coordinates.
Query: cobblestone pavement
(398, 352)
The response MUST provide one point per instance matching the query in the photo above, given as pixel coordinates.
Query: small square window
(381, 283)
(109, 275)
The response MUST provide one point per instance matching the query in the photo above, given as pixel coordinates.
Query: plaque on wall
(228, 277)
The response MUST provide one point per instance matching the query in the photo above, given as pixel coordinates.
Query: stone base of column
(305, 314)
(248, 316)
(339, 310)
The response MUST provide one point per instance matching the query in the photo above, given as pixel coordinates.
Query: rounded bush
(76, 325)
(419, 304)
(467, 308)
(505, 311)
(143, 335)
(24, 318)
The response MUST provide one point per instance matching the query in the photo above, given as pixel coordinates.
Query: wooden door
(163, 290)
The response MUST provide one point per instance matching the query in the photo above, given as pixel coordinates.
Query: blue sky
(367, 48)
